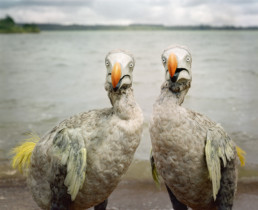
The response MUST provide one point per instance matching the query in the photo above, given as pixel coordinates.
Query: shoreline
(136, 191)
(129, 195)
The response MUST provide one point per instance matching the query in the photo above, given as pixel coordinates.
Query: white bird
(79, 162)
(194, 155)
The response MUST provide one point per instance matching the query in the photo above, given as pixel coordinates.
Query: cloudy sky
(167, 12)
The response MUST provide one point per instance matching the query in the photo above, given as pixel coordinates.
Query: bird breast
(111, 145)
(178, 149)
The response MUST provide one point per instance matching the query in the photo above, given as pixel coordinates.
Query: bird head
(177, 61)
(120, 65)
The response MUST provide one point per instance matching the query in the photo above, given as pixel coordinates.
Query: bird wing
(218, 147)
(70, 151)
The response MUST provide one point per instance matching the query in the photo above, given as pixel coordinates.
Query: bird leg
(61, 200)
(177, 205)
(101, 206)
(228, 184)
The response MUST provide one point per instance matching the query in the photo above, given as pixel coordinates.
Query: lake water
(47, 77)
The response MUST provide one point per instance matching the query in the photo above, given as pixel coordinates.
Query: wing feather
(69, 149)
(219, 148)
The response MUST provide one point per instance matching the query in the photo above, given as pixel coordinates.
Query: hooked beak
(172, 64)
(116, 75)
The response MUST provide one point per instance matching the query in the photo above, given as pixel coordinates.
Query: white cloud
(176, 12)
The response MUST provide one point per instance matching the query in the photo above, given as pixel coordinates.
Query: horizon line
(141, 24)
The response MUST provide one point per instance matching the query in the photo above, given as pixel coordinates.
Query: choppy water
(47, 77)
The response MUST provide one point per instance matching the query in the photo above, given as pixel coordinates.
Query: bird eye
(131, 65)
(164, 60)
(107, 63)
(188, 59)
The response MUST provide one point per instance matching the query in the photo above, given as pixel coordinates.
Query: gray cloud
(167, 12)
(48, 3)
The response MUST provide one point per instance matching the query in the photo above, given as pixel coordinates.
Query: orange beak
(172, 64)
(116, 74)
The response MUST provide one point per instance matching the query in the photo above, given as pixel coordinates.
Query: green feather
(70, 150)
(154, 171)
(218, 147)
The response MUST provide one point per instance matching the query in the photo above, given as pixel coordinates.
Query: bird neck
(123, 103)
(174, 92)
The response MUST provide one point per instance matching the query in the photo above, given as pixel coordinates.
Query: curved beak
(116, 75)
(172, 64)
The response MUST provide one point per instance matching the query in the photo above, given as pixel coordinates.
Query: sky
(121, 12)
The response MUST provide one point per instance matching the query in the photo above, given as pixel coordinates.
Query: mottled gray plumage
(194, 155)
(87, 154)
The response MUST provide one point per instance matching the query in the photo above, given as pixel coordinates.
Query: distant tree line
(135, 27)
(7, 25)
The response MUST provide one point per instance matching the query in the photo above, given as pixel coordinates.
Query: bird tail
(241, 155)
(22, 153)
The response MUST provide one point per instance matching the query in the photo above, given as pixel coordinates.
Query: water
(47, 77)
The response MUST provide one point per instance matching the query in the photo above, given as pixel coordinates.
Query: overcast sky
(167, 12)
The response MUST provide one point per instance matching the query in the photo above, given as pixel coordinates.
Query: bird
(194, 155)
(80, 161)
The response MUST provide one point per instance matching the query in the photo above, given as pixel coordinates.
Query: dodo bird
(80, 161)
(194, 155)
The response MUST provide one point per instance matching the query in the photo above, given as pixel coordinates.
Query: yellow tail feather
(22, 153)
(241, 155)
